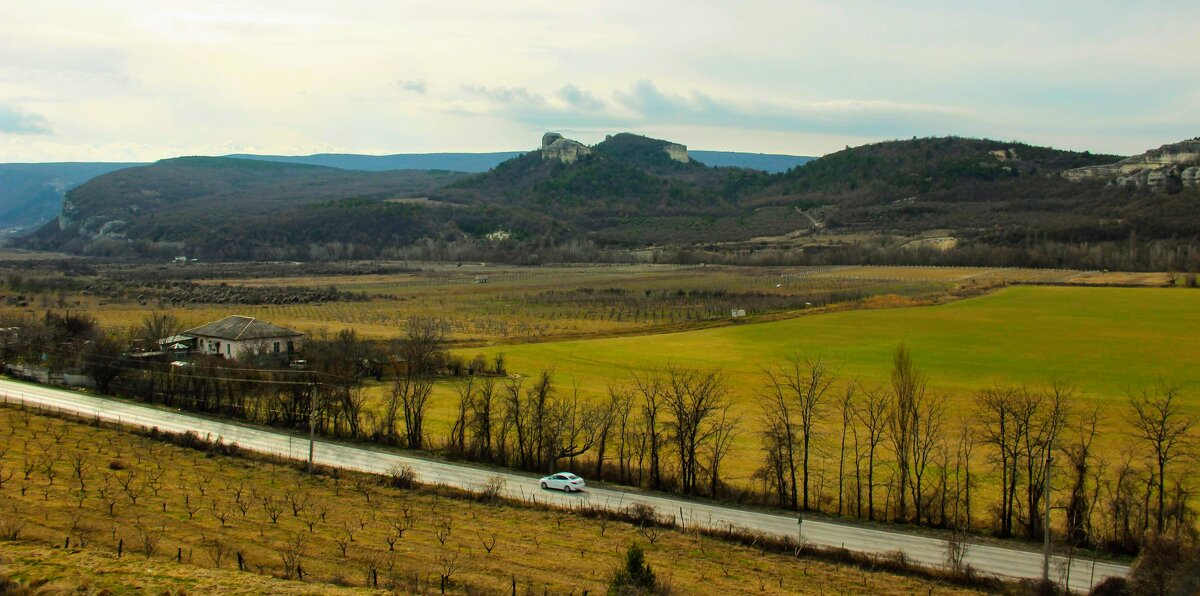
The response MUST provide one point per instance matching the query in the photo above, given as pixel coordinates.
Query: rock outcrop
(555, 146)
(677, 152)
(1169, 167)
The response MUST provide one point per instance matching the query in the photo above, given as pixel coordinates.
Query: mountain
(772, 163)
(454, 162)
(31, 193)
(1169, 168)
(482, 162)
(623, 179)
(236, 208)
(1000, 203)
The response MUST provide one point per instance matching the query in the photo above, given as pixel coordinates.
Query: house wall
(235, 349)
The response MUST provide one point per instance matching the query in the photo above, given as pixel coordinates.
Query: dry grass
(176, 503)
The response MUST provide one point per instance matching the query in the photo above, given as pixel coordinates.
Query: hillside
(185, 519)
(31, 193)
(475, 163)
(454, 162)
(972, 201)
(624, 179)
(230, 208)
(771, 163)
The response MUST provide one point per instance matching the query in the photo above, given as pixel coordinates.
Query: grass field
(527, 303)
(184, 515)
(1104, 341)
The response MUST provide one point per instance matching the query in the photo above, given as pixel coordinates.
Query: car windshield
(571, 477)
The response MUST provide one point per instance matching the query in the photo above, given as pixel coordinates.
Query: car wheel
(567, 488)
(544, 486)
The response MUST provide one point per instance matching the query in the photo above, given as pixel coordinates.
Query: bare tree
(412, 393)
(1080, 461)
(466, 398)
(873, 414)
(724, 432)
(846, 407)
(1161, 423)
(291, 551)
(927, 437)
(423, 347)
(447, 565)
(780, 428)
(443, 527)
(158, 325)
(398, 525)
(574, 428)
(649, 385)
(218, 549)
(483, 419)
(273, 506)
(696, 401)
(149, 537)
(908, 393)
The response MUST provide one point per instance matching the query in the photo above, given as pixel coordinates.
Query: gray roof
(239, 328)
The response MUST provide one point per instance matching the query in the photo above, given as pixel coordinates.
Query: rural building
(236, 334)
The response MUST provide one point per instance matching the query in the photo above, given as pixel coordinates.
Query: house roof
(240, 328)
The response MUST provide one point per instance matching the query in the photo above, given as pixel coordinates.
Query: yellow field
(182, 518)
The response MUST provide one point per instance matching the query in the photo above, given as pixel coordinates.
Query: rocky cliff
(555, 146)
(1169, 167)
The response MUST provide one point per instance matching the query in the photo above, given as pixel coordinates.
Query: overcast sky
(124, 80)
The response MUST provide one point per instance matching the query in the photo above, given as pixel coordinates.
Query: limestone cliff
(555, 146)
(677, 152)
(1172, 166)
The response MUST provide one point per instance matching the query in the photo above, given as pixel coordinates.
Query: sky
(139, 80)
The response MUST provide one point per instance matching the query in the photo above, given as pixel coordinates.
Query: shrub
(636, 576)
(642, 514)
(402, 476)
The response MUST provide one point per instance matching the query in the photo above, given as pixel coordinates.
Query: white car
(564, 481)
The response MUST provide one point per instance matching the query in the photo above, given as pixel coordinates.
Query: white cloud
(18, 122)
(794, 76)
(414, 85)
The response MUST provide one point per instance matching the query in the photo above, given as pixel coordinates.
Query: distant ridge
(772, 163)
(482, 162)
(454, 162)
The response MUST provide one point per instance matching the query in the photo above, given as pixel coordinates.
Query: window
(276, 347)
(291, 348)
(216, 346)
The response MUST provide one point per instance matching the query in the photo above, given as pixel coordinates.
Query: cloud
(413, 85)
(16, 122)
(580, 99)
(643, 103)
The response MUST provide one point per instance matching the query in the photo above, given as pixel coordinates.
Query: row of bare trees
(900, 439)
(668, 429)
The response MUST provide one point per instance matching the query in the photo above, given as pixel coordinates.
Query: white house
(236, 334)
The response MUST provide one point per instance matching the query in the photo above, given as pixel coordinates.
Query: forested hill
(632, 192)
(233, 208)
(626, 176)
(926, 165)
(31, 193)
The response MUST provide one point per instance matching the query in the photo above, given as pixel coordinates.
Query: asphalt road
(1006, 562)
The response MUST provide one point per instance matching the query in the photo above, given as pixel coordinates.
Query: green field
(1102, 340)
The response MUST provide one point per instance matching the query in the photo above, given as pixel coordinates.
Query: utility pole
(312, 424)
(1046, 523)
(799, 529)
